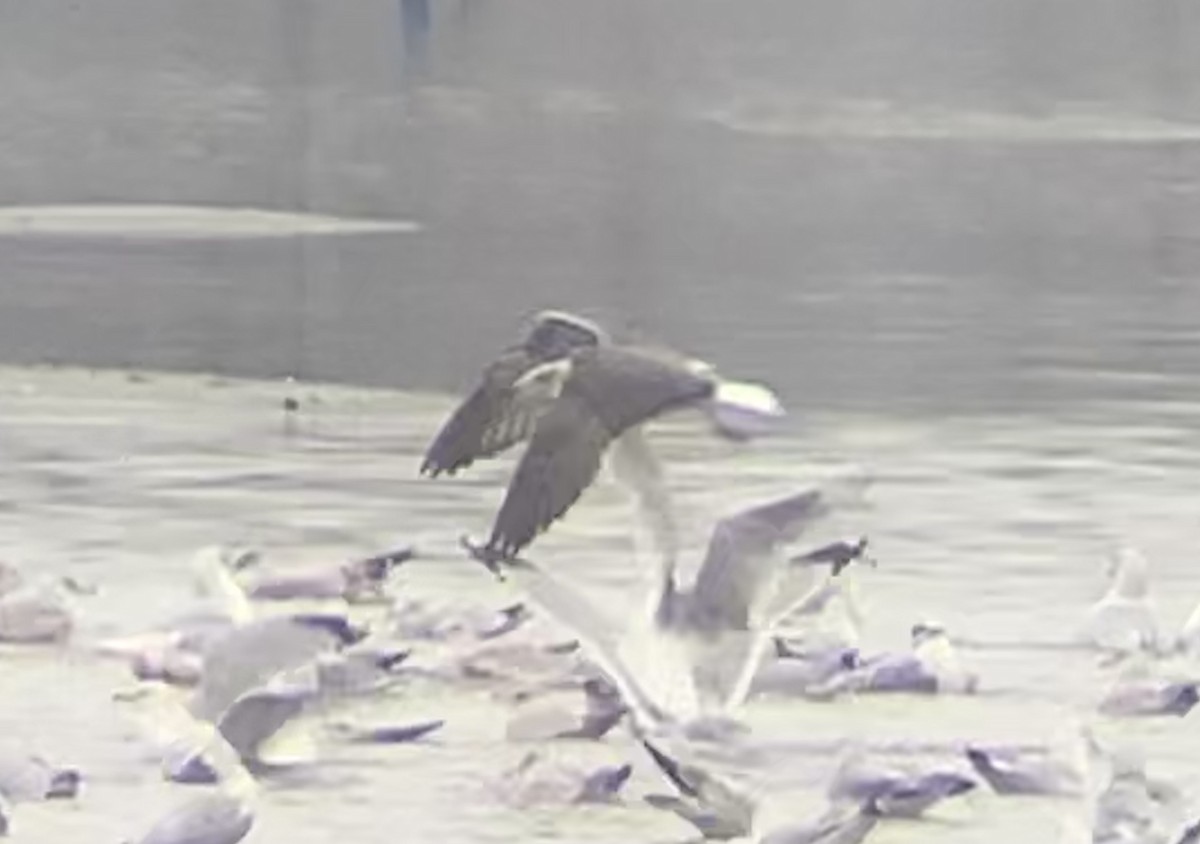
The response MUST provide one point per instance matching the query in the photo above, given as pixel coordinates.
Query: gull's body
(1138, 691)
(10, 578)
(262, 727)
(932, 667)
(1124, 619)
(895, 791)
(215, 818)
(421, 620)
(830, 620)
(360, 580)
(540, 779)
(222, 815)
(1009, 771)
(816, 675)
(359, 670)
(27, 777)
(1132, 808)
(35, 613)
(572, 393)
(249, 655)
(174, 652)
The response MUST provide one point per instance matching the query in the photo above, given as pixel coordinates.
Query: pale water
(997, 526)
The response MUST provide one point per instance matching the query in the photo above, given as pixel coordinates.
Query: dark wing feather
(491, 419)
(609, 391)
(561, 461)
(740, 562)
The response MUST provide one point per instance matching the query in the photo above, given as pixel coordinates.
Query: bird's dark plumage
(493, 418)
(607, 391)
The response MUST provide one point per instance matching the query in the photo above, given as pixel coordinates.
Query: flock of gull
(234, 691)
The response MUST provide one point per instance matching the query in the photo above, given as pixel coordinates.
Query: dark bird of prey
(702, 645)
(573, 393)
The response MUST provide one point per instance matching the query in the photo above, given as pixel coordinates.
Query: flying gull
(698, 650)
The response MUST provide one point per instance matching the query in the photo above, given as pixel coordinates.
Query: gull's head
(1129, 572)
(927, 631)
(64, 784)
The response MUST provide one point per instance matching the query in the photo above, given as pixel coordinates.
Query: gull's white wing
(215, 581)
(248, 656)
(255, 725)
(597, 635)
(742, 581)
(634, 464)
(217, 818)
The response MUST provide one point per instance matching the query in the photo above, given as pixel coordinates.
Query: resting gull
(896, 791)
(1124, 619)
(1139, 690)
(932, 667)
(360, 580)
(38, 612)
(29, 777)
(541, 778)
(546, 716)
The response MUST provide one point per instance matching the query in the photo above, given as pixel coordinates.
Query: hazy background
(959, 236)
(906, 204)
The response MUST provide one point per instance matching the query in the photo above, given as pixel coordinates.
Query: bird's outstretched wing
(608, 391)
(744, 565)
(596, 633)
(496, 416)
(490, 420)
